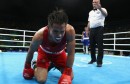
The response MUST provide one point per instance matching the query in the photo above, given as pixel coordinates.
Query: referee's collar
(94, 9)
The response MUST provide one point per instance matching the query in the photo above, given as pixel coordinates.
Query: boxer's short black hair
(58, 17)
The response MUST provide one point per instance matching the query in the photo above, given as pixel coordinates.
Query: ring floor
(115, 70)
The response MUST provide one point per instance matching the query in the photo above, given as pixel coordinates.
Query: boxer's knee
(41, 80)
(41, 75)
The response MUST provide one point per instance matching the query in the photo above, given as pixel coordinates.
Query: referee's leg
(99, 40)
(92, 45)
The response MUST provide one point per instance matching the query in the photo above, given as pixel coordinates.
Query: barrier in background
(15, 38)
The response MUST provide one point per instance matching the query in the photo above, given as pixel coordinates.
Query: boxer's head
(57, 17)
(57, 22)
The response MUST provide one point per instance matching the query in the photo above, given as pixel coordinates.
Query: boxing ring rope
(115, 39)
(15, 38)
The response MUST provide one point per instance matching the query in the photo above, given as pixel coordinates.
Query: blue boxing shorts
(85, 41)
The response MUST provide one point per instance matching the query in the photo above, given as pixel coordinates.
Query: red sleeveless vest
(46, 45)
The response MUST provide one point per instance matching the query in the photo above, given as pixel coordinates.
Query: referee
(96, 23)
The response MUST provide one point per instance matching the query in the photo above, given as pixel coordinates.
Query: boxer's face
(57, 32)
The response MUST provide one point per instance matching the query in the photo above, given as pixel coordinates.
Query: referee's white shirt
(96, 18)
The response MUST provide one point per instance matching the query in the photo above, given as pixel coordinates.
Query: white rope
(27, 34)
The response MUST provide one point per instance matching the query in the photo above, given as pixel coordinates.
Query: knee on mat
(41, 80)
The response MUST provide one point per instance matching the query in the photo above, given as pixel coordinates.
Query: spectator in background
(96, 23)
(85, 40)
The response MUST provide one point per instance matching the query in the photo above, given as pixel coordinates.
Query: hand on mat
(28, 72)
(66, 77)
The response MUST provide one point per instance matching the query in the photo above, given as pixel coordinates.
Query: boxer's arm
(28, 72)
(66, 76)
(82, 34)
(36, 41)
(70, 47)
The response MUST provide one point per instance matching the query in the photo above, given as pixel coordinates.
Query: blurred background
(32, 14)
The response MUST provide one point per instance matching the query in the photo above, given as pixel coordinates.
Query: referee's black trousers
(96, 37)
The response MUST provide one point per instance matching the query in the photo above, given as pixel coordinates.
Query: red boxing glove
(28, 72)
(66, 77)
